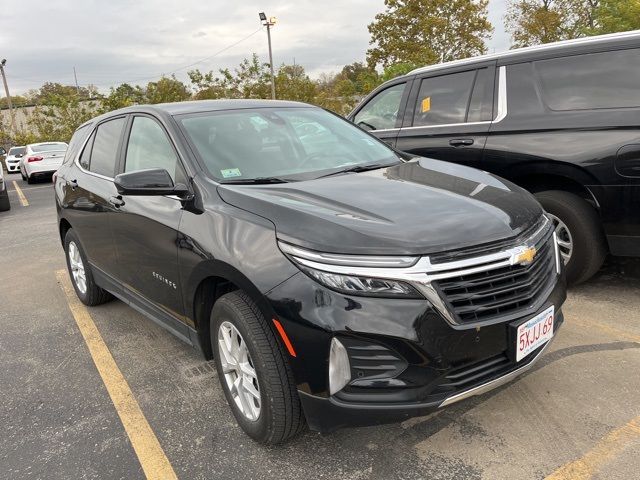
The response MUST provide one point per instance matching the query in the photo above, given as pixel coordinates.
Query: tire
(31, 179)
(92, 294)
(582, 221)
(280, 417)
(4, 202)
(23, 176)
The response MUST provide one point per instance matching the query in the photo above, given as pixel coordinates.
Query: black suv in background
(561, 120)
(329, 278)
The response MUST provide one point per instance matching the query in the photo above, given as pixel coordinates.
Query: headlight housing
(331, 270)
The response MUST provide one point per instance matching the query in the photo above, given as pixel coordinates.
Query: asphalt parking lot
(576, 415)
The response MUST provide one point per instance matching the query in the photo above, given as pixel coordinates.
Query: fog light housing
(339, 368)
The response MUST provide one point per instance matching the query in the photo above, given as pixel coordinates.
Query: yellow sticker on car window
(426, 104)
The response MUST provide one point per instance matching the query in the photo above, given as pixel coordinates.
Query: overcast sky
(115, 41)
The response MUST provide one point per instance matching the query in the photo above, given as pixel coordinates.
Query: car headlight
(332, 271)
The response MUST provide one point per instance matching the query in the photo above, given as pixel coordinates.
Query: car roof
(524, 54)
(198, 106)
(46, 143)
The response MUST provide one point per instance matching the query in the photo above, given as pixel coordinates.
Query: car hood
(419, 207)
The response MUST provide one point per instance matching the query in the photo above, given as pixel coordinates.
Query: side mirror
(155, 181)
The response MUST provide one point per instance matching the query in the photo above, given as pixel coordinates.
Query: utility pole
(75, 77)
(270, 22)
(6, 90)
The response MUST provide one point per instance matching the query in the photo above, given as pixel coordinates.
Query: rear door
(88, 192)
(448, 115)
(381, 113)
(146, 227)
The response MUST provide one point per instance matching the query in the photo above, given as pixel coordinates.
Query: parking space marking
(153, 460)
(604, 451)
(21, 196)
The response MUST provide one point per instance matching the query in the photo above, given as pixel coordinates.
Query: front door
(448, 115)
(145, 229)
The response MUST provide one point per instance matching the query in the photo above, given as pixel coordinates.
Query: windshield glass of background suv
(268, 142)
(17, 151)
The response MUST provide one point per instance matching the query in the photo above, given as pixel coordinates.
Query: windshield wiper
(255, 181)
(358, 169)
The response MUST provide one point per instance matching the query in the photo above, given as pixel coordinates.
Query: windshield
(49, 147)
(280, 142)
(17, 151)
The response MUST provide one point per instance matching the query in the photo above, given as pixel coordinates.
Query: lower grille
(497, 292)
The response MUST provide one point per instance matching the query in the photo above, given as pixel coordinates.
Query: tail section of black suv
(334, 282)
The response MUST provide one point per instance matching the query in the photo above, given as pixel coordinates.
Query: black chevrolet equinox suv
(332, 279)
(561, 120)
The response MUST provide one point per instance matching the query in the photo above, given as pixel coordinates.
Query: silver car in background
(41, 159)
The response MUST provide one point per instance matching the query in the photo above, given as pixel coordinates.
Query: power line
(151, 77)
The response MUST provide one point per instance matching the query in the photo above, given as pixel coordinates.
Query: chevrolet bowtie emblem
(525, 257)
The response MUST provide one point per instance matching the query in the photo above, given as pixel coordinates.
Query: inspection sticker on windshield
(533, 333)
(230, 172)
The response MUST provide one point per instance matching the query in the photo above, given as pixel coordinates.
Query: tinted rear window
(595, 80)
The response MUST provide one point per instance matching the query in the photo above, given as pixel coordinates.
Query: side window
(381, 111)
(76, 142)
(443, 99)
(85, 156)
(481, 103)
(149, 147)
(591, 81)
(104, 151)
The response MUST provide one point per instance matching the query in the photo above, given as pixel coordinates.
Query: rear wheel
(23, 176)
(30, 179)
(579, 232)
(80, 272)
(253, 371)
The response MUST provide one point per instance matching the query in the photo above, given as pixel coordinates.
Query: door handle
(461, 142)
(116, 201)
(73, 184)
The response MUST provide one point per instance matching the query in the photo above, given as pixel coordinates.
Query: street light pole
(270, 22)
(6, 90)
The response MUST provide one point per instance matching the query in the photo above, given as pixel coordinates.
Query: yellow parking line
(604, 451)
(21, 196)
(152, 458)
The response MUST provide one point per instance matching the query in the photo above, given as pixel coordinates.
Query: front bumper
(13, 167)
(417, 361)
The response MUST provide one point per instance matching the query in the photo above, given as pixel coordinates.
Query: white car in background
(41, 159)
(13, 159)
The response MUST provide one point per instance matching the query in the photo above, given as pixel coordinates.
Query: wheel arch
(208, 282)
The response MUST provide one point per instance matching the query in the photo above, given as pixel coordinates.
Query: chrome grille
(487, 294)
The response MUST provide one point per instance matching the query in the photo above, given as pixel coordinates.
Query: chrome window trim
(422, 272)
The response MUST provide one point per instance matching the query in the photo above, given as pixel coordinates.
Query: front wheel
(579, 232)
(253, 371)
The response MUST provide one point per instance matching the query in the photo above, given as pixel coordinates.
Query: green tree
(165, 90)
(294, 84)
(123, 95)
(251, 79)
(423, 32)
(617, 16)
(534, 22)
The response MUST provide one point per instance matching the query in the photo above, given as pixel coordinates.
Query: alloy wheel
(565, 240)
(239, 372)
(77, 268)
